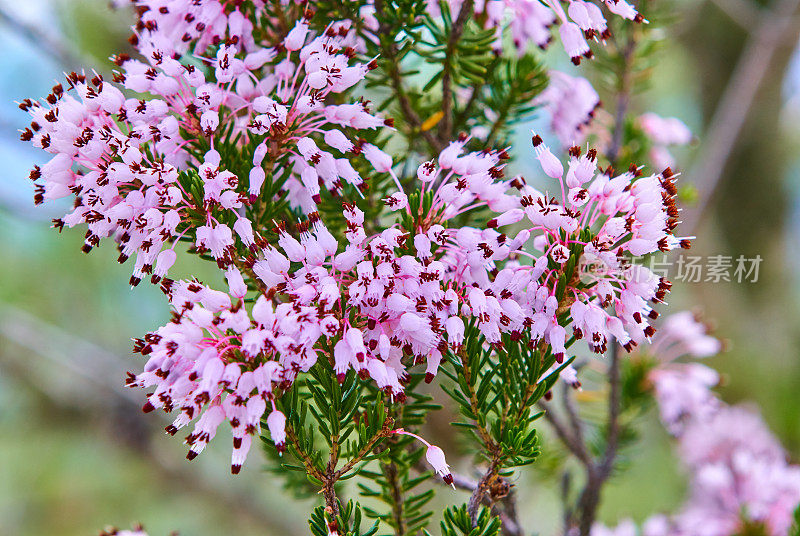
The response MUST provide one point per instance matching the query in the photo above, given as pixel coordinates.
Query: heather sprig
(346, 167)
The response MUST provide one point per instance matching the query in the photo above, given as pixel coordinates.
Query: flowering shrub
(370, 238)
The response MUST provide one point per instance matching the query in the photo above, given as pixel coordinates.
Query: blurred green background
(76, 453)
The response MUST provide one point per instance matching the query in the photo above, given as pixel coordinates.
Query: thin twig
(510, 518)
(483, 433)
(578, 449)
(389, 50)
(446, 124)
(573, 416)
(614, 408)
(397, 498)
(508, 513)
(736, 102)
(385, 431)
(623, 101)
(566, 485)
(598, 473)
(311, 469)
(479, 492)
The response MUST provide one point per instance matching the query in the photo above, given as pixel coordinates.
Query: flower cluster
(401, 296)
(236, 132)
(125, 160)
(532, 22)
(683, 390)
(180, 26)
(740, 479)
(511, 285)
(371, 306)
(185, 25)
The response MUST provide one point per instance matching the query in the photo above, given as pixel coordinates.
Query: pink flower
(664, 132)
(571, 103)
(435, 457)
(277, 429)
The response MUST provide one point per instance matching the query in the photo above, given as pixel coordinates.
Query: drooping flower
(435, 457)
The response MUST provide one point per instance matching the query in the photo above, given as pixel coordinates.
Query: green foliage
(635, 390)
(289, 468)
(794, 530)
(418, 60)
(465, 59)
(623, 68)
(348, 521)
(457, 522)
(326, 421)
(401, 24)
(495, 389)
(512, 85)
(395, 481)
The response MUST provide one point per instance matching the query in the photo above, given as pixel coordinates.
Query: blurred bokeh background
(76, 452)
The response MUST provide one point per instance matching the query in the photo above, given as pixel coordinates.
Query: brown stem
(614, 408)
(385, 431)
(331, 475)
(566, 485)
(597, 470)
(446, 124)
(473, 402)
(397, 498)
(623, 101)
(509, 518)
(389, 51)
(598, 473)
(480, 489)
(331, 501)
(578, 449)
(573, 416)
(589, 501)
(308, 463)
(508, 514)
